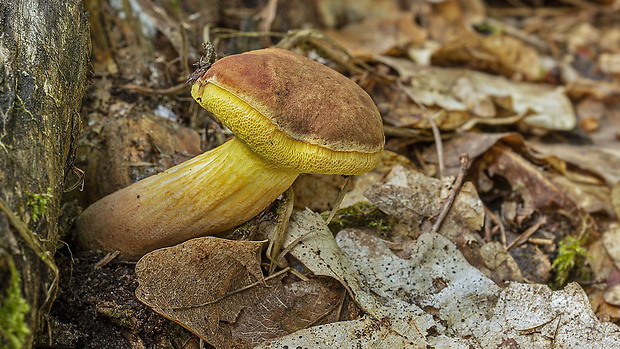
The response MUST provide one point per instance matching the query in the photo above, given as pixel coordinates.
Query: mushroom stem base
(208, 194)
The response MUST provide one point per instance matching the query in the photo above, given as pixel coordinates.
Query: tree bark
(44, 53)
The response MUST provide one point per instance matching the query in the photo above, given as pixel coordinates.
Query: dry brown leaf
(291, 307)
(592, 198)
(416, 199)
(608, 132)
(611, 242)
(528, 181)
(434, 299)
(615, 198)
(611, 295)
(609, 63)
(601, 264)
(590, 111)
(499, 54)
(379, 35)
(610, 39)
(194, 284)
(604, 310)
(582, 36)
(586, 192)
(479, 103)
(536, 105)
(336, 14)
(470, 143)
(215, 288)
(603, 162)
(448, 20)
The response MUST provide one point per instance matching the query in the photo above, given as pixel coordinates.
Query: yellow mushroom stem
(210, 193)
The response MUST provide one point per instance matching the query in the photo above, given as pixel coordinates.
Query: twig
(79, 173)
(404, 132)
(434, 128)
(502, 230)
(180, 88)
(269, 14)
(519, 34)
(526, 234)
(313, 36)
(277, 239)
(509, 120)
(539, 241)
(529, 11)
(107, 259)
(291, 246)
(499, 223)
(487, 228)
(167, 26)
(232, 33)
(592, 282)
(456, 188)
(338, 201)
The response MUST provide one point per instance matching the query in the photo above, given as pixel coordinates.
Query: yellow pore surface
(268, 141)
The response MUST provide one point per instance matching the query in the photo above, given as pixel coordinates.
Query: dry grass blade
(431, 120)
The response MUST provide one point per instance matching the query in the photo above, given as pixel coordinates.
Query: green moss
(123, 317)
(489, 29)
(176, 6)
(38, 203)
(361, 215)
(245, 231)
(13, 327)
(568, 263)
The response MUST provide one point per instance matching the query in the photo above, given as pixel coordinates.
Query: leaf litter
(215, 288)
(530, 94)
(419, 294)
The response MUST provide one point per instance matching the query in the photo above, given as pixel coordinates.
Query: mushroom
(290, 115)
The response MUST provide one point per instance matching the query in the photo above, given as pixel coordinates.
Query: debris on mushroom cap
(324, 122)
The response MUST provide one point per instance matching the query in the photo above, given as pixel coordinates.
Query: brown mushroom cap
(294, 112)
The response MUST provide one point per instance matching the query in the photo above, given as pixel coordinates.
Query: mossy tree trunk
(44, 52)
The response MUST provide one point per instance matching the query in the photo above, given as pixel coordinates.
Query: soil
(97, 308)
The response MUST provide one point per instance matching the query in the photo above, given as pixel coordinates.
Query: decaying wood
(44, 52)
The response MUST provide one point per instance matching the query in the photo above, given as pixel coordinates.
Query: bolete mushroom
(290, 115)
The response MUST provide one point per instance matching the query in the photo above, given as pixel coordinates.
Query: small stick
(341, 305)
(526, 234)
(502, 230)
(431, 120)
(107, 259)
(338, 201)
(500, 224)
(538, 241)
(180, 88)
(487, 228)
(456, 187)
(277, 239)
